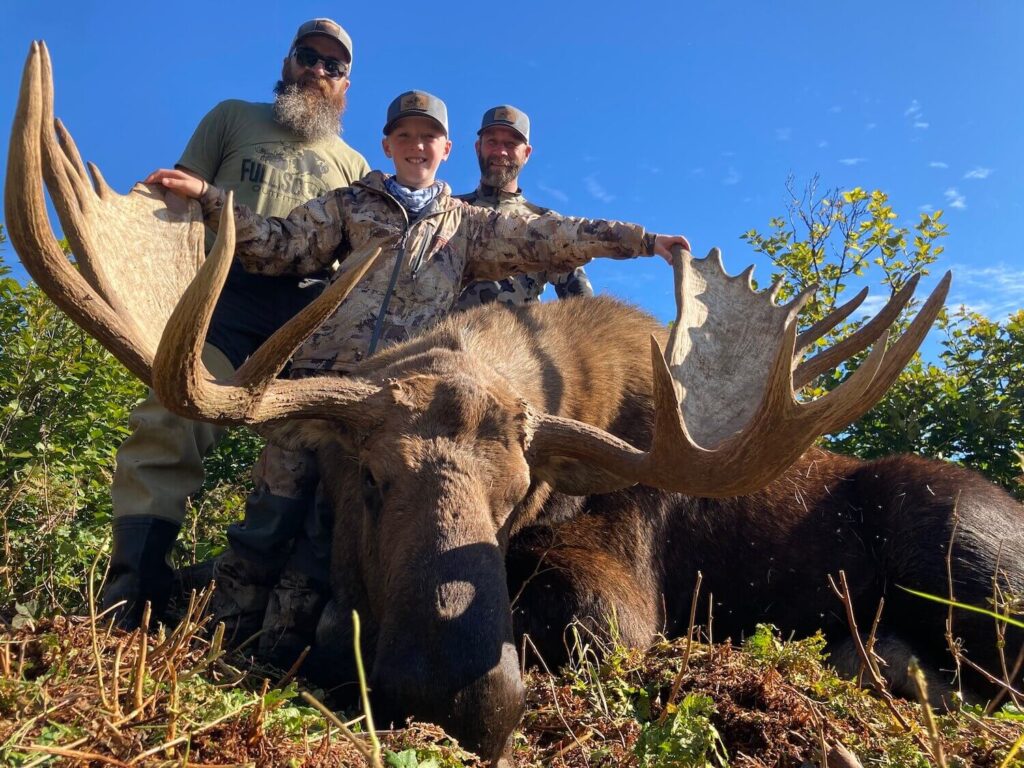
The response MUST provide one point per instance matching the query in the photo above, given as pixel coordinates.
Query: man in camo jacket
(502, 150)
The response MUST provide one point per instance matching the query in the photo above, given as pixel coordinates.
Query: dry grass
(74, 693)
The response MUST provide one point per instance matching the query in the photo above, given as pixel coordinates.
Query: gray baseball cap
(509, 117)
(417, 104)
(325, 28)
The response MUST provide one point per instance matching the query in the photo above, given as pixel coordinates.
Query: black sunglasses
(308, 58)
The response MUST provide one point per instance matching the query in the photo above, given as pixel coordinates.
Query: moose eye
(369, 481)
(373, 498)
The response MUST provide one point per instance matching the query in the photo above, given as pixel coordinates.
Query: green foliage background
(64, 402)
(968, 404)
(64, 408)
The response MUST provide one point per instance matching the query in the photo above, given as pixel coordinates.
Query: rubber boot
(269, 527)
(246, 572)
(298, 598)
(140, 569)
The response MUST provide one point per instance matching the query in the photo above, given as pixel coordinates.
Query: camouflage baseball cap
(326, 28)
(509, 117)
(417, 104)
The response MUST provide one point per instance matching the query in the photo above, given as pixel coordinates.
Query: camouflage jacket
(426, 261)
(517, 289)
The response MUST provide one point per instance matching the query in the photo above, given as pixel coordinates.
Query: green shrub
(64, 406)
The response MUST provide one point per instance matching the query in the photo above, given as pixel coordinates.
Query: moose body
(424, 560)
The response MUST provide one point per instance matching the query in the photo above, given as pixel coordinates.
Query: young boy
(435, 244)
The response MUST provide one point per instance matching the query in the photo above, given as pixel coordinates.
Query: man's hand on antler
(664, 243)
(180, 182)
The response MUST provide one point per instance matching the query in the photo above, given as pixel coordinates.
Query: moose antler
(138, 254)
(145, 241)
(727, 420)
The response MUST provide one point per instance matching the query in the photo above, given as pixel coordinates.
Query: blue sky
(684, 117)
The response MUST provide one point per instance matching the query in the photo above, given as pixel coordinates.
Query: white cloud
(597, 191)
(853, 160)
(874, 302)
(870, 126)
(558, 194)
(783, 134)
(978, 173)
(938, 164)
(822, 143)
(956, 200)
(926, 208)
(732, 177)
(993, 291)
(916, 115)
(696, 171)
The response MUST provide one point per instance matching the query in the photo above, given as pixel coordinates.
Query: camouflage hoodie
(425, 262)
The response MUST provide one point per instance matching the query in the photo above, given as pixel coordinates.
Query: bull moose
(582, 473)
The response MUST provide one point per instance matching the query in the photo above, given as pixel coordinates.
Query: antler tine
(272, 356)
(898, 355)
(29, 225)
(856, 342)
(70, 148)
(830, 321)
(72, 195)
(180, 379)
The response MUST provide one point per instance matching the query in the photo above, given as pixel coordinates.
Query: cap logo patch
(414, 101)
(504, 113)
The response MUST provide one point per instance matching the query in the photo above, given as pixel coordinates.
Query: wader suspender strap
(378, 326)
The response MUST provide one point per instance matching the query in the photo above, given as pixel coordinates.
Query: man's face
(316, 76)
(502, 153)
(309, 101)
(418, 146)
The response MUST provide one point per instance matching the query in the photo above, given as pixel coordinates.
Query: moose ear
(576, 478)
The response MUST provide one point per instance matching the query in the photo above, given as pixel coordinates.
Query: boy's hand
(663, 244)
(179, 182)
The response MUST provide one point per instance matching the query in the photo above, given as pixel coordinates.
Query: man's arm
(302, 243)
(502, 244)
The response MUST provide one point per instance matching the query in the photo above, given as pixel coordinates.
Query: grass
(75, 693)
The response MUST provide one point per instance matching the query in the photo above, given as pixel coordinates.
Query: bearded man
(273, 157)
(502, 149)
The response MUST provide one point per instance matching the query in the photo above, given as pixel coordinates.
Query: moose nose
(481, 714)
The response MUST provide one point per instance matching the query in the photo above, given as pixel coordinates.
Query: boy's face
(418, 146)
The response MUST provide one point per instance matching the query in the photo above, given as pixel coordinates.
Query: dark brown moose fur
(441, 522)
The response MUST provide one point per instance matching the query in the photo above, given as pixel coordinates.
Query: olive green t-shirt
(239, 146)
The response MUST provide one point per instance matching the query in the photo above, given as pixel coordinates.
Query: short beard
(308, 108)
(496, 177)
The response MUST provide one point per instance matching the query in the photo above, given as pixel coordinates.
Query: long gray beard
(307, 111)
(497, 177)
